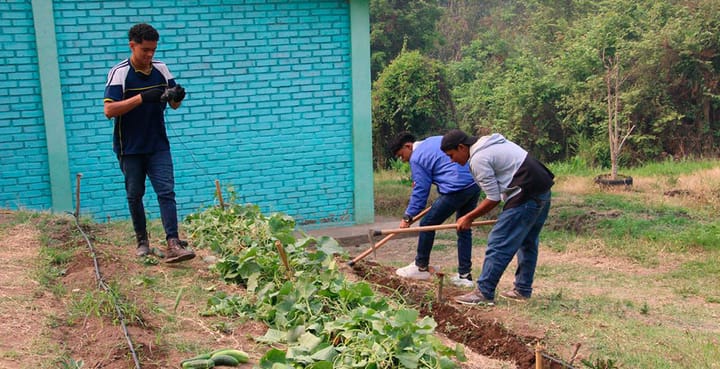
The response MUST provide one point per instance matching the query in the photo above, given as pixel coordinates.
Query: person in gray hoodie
(506, 173)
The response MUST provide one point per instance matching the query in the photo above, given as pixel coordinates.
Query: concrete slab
(358, 234)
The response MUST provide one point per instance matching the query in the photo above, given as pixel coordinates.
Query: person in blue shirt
(136, 95)
(458, 194)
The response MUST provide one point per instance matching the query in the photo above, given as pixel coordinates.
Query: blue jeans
(517, 231)
(159, 168)
(460, 203)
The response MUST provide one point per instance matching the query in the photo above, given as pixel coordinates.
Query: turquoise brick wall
(24, 173)
(268, 108)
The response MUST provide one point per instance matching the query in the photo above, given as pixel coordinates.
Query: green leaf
(329, 246)
(406, 316)
(409, 359)
(460, 352)
(446, 363)
(309, 341)
(282, 227)
(272, 336)
(272, 357)
(326, 354)
(321, 365)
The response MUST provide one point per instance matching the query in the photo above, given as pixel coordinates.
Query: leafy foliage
(411, 94)
(324, 320)
(533, 71)
(396, 24)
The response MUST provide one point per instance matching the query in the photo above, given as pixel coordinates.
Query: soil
(42, 324)
(489, 331)
(37, 318)
(479, 328)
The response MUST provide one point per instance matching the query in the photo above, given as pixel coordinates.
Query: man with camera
(136, 94)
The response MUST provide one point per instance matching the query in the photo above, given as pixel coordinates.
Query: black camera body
(175, 93)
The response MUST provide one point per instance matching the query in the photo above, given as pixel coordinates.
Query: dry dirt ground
(38, 326)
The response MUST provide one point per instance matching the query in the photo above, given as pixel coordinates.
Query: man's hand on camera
(179, 93)
(151, 95)
(174, 94)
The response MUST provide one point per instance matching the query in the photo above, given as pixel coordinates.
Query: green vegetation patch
(295, 287)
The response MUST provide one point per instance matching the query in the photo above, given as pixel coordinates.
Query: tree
(411, 94)
(394, 23)
(458, 26)
(617, 132)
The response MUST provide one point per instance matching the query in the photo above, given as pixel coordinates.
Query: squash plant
(322, 319)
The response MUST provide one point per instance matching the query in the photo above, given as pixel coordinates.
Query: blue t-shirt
(141, 130)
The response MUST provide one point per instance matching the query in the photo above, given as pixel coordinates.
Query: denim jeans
(159, 168)
(460, 203)
(517, 231)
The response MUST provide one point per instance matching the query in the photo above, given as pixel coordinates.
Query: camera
(175, 93)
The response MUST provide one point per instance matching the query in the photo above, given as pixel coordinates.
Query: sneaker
(176, 253)
(143, 248)
(474, 298)
(514, 295)
(412, 271)
(463, 281)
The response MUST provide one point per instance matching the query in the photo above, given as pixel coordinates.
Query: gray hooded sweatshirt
(505, 171)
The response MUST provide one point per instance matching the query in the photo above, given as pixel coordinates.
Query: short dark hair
(143, 32)
(454, 138)
(400, 139)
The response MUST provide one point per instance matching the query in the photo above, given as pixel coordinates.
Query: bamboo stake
(219, 193)
(284, 259)
(538, 356)
(441, 278)
(77, 194)
(575, 352)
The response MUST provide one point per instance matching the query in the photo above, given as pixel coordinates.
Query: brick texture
(268, 107)
(24, 172)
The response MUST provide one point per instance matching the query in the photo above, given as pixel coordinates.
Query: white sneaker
(463, 282)
(413, 272)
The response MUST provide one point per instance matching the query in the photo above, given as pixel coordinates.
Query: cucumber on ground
(201, 356)
(224, 360)
(198, 364)
(240, 356)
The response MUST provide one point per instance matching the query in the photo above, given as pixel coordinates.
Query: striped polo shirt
(142, 129)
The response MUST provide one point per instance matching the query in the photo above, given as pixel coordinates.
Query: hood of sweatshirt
(487, 141)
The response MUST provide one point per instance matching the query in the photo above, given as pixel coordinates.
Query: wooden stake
(538, 356)
(77, 194)
(441, 277)
(218, 193)
(283, 257)
(575, 352)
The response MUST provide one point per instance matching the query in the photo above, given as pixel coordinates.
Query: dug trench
(473, 326)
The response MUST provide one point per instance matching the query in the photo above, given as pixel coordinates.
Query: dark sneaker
(514, 295)
(143, 248)
(176, 253)
(474, 298)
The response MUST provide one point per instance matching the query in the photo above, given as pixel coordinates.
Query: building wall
(268, 112)
(24, 173)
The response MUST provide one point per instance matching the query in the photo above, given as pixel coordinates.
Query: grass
(630, 273)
